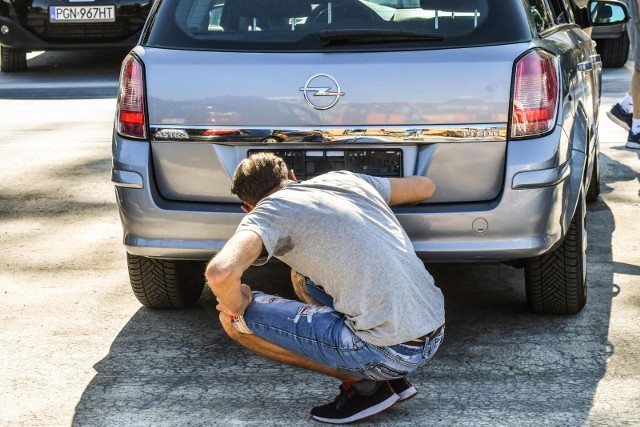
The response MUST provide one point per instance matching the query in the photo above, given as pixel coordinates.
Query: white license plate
(82, 13)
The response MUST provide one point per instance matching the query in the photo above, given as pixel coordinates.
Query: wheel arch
(579, 139)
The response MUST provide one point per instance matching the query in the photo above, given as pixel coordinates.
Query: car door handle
(585, 66)
(596, 59)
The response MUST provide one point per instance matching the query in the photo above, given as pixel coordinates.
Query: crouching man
(370, 312)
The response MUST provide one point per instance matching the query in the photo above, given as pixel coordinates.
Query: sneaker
(403, 388)
(633, 141)
(351, 406)
(620, 117)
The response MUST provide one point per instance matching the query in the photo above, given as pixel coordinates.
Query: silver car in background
(496, 101)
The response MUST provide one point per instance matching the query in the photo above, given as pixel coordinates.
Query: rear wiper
(332, 37)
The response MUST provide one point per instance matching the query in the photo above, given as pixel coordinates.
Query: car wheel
(160, 283)
(556, 282)
(594, 186)
(614, 52)
(12, 60)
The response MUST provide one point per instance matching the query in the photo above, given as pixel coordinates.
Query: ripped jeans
(320, 333)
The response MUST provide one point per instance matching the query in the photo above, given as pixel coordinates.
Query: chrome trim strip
(585, 66)
(399, 135)
(541, 178)
(126, 179)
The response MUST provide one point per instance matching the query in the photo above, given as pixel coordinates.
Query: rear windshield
(329, 25)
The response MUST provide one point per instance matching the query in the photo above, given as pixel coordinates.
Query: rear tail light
(131, 114)
(535, 95)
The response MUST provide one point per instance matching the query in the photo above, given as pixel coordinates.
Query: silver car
(496, 101)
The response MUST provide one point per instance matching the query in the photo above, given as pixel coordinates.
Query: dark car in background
(613, 43)
(613, 46)
(29, 25)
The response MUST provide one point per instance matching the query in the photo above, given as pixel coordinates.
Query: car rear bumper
(19, 38)
(528, 218)
(608, 32)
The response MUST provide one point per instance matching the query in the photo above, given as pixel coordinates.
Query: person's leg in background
(634, 133)
(626, 113)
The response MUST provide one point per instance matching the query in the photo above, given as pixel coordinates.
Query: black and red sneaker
(403, 388)
(351, 406)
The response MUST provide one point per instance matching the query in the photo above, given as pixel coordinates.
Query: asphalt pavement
(76, 348)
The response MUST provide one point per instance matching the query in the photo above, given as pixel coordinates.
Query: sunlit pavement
(76, 348)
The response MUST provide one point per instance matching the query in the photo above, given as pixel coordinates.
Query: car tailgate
(446, 111)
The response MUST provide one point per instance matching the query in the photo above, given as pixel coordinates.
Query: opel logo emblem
(321, 91)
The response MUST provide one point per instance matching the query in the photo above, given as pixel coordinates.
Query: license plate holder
(310, 163)
(66, 14)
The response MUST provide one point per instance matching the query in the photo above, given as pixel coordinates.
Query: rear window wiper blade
(329, 37)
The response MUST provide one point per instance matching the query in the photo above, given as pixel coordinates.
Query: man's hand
(247, 295)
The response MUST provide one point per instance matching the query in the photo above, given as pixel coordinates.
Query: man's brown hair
(256, 175)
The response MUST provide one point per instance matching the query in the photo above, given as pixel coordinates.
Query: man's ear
(246, 208)
(292, 176)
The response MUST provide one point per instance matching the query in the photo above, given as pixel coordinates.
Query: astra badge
(171, 133)
(321, 91)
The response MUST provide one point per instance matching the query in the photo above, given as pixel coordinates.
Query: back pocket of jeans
(349, 341)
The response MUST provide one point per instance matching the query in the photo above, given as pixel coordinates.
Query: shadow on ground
(499, 364)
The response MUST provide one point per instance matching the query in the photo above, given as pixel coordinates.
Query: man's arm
(410, 190)
(226, 268)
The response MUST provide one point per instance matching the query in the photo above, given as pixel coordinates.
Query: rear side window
(320, 25)
(541, 13)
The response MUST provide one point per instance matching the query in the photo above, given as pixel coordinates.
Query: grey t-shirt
(338, 230)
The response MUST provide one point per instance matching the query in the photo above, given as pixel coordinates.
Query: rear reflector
(535, 95)
(131, 117)
(218, 132)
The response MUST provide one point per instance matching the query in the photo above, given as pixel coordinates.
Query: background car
(497, 101)
(28, 25)
(613, 47)
(613, 43)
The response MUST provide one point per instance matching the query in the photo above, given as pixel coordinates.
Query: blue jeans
(320, 333)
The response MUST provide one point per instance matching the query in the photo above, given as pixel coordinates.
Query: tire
(556, 282)
(12, 60)
(614, 52)
(159, 283)
(594, 186)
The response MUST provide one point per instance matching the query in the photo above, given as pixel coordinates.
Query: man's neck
(278, 187)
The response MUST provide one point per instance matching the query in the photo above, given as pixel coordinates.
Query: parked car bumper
(608, 32)
(19, 38)
(528, 218)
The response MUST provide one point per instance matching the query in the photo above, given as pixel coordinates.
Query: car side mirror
(607, 12)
